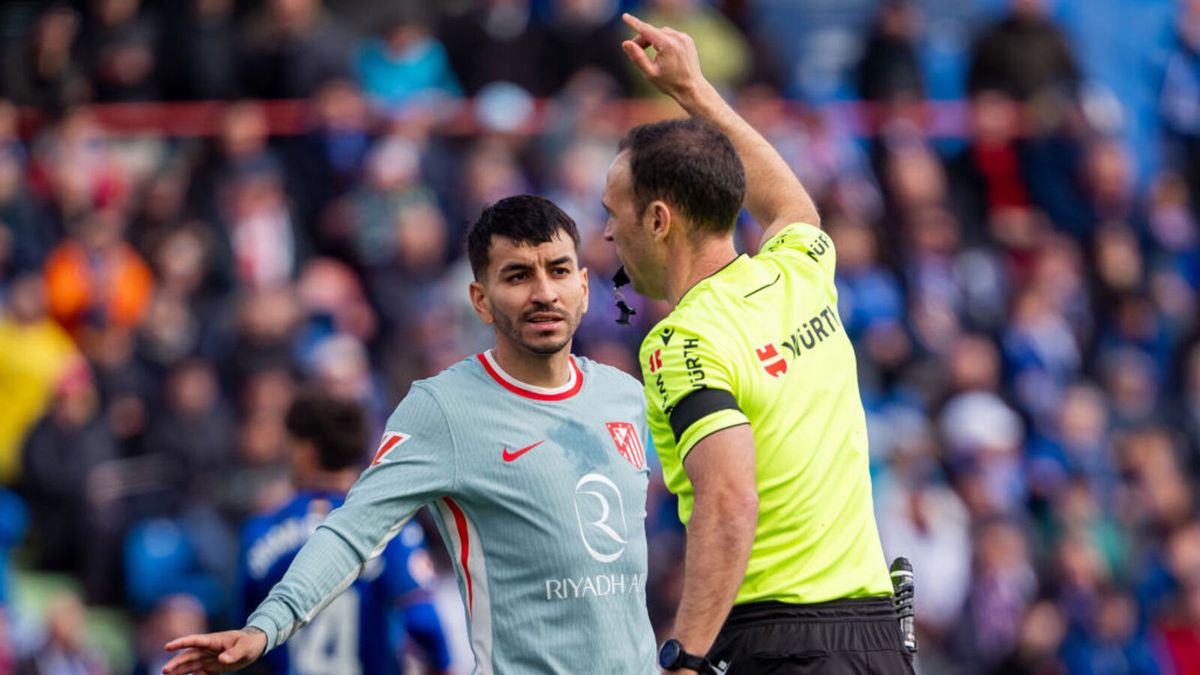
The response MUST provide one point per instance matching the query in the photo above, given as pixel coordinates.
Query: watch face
(668, 655)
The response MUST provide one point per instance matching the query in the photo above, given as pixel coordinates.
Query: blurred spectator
(1074, 446)
(74, 521)
(35, 353)
(490, 172)
(499, 41)
(987, 176)
(266, 240)
(1180, 631)
(189, 312)
(984, 438)
(240, 146)
(64, 647)
(1113, 642)
(868, 293)
(890, 70)
(1180, 98)
(191, 440)
(75, 168)
(334, 301)
(1041, 636)
(1109, 181)
(118, 45)
(14, 521)
(41, 70)
(199, 59)
(25, 236)
(291, 48)
(406, 64)
(171, 617)
(586, 35)
(97, 280)
(1041, 351)
(1003, 584)
(327, 162)
(126, 386)
(921, 517)
(1023, 55)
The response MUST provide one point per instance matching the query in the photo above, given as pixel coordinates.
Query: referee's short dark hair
(690, 165)
(524, 219)
(336, 427)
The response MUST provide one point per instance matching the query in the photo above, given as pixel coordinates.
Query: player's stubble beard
(513, 329)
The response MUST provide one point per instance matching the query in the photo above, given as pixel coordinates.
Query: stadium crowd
(1023, 300)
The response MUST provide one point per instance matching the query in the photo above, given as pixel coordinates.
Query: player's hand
(215, 652)
(675, 68)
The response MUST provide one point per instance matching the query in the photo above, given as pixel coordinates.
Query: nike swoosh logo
(510, 456)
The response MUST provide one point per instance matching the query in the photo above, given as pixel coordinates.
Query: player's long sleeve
(411, 468)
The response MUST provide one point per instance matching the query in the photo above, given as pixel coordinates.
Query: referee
(752, 394)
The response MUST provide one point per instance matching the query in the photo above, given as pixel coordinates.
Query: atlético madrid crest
(629, 445)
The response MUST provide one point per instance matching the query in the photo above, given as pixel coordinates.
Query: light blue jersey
(541, 497)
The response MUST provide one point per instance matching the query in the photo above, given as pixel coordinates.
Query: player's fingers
(638, 56)
(194, 641)
(186, 662)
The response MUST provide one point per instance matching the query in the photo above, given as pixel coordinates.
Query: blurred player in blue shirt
(362, 631)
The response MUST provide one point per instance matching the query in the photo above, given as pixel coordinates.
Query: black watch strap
(693, 662)
(681, 659)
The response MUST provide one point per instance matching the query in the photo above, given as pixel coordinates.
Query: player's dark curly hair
(524, 219)
(690, 165)
(336, 427)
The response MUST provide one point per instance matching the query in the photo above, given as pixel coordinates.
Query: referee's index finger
(644, 29)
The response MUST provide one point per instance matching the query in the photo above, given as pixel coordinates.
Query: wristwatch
(671, 656)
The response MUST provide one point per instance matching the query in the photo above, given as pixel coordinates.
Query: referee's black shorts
(859, 636)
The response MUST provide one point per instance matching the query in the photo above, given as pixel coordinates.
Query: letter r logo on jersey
(391, 440)
(602, 527)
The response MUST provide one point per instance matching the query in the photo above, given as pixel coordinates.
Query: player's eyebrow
(561, 261)
(515, 267)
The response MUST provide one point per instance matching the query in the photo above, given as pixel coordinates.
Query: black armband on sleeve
(697, 405)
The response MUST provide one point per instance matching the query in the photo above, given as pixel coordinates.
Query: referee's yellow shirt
(761, 342)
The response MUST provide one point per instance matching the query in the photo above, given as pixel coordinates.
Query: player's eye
(518, 277)
(562, 271)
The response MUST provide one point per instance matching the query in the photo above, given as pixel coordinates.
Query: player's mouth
(545, 320)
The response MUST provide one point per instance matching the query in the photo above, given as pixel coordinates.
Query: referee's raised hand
(675, 66)
(222, 652)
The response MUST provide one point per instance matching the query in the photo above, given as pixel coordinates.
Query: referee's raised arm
(774, 195)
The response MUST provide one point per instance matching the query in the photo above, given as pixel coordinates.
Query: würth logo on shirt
(772, 362)
(629, 446)
(391, 440)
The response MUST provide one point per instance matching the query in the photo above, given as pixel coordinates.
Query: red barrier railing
(937, 119)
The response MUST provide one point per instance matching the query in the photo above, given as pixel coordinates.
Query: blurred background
(208, 204)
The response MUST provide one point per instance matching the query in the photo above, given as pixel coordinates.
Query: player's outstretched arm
(222, 652)
(774, 195)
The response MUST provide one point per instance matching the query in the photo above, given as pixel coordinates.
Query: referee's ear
(659, 218)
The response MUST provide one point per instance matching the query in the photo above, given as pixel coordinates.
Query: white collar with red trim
(573, 385)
